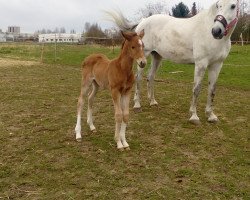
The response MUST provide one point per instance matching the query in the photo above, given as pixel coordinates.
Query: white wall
(2, 37)
(60, 38)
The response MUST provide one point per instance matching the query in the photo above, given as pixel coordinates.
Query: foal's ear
(141, 34)
(127, 36)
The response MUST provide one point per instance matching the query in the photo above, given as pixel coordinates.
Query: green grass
(169, 158)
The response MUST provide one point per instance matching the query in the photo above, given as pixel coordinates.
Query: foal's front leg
(125, 108)
(116, 96)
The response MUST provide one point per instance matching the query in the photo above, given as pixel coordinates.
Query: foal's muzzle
(141, 62)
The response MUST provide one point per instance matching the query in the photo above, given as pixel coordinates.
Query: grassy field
(169, 158)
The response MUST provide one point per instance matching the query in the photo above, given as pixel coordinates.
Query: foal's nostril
(142, 64)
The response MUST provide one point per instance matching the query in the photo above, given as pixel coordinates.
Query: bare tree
(94, 31)
(194, 9)
(43, 31)
(62, 30)
(56, 30)
(243, 7)
(242, 30)
(87, 26)
(152, 9)
(72, 31)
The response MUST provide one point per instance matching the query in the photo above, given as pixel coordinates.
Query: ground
(169, 157)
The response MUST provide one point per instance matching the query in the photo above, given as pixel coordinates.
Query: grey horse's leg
(213, 73)
(156, 61)
(137, 105)
(199, 72)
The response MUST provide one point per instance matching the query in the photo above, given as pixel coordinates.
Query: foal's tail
(119, 20)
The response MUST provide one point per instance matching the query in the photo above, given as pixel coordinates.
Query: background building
(14, 29)
(60, 38)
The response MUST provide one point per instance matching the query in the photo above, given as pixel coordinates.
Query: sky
(32, 15)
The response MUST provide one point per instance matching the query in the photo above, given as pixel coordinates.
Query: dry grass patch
(8, 62)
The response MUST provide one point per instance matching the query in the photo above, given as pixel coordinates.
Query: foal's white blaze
(140, 43)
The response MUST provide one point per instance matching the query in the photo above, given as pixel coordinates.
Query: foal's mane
(123, 43)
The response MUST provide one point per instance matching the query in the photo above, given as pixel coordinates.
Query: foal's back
(96, 67)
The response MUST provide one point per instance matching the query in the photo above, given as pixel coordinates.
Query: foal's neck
(126, 61)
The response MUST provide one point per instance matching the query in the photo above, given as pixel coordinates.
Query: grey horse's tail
(119, 20)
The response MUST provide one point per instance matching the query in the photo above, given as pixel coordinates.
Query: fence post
(241, 38)
(42, 52)
(55, 48)
(113, 44)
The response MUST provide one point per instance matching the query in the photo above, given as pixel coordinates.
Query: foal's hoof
(94, 131)
(138, 110)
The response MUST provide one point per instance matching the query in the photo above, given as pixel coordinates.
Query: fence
(59, 53)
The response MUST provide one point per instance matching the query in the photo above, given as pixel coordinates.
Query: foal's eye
(233, 6)
(133, 47)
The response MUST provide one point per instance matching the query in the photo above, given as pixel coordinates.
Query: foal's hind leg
(199, 72)
(84, 90)
(156, 61)
(213, 73)
(90, 105)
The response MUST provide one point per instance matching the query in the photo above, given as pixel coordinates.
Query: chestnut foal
(117, 76)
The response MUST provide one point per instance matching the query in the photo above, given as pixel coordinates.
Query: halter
(221, 19)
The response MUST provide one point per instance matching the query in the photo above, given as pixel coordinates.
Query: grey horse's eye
(233, 6)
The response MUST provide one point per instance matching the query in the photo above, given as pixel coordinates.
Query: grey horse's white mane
(119, 20)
